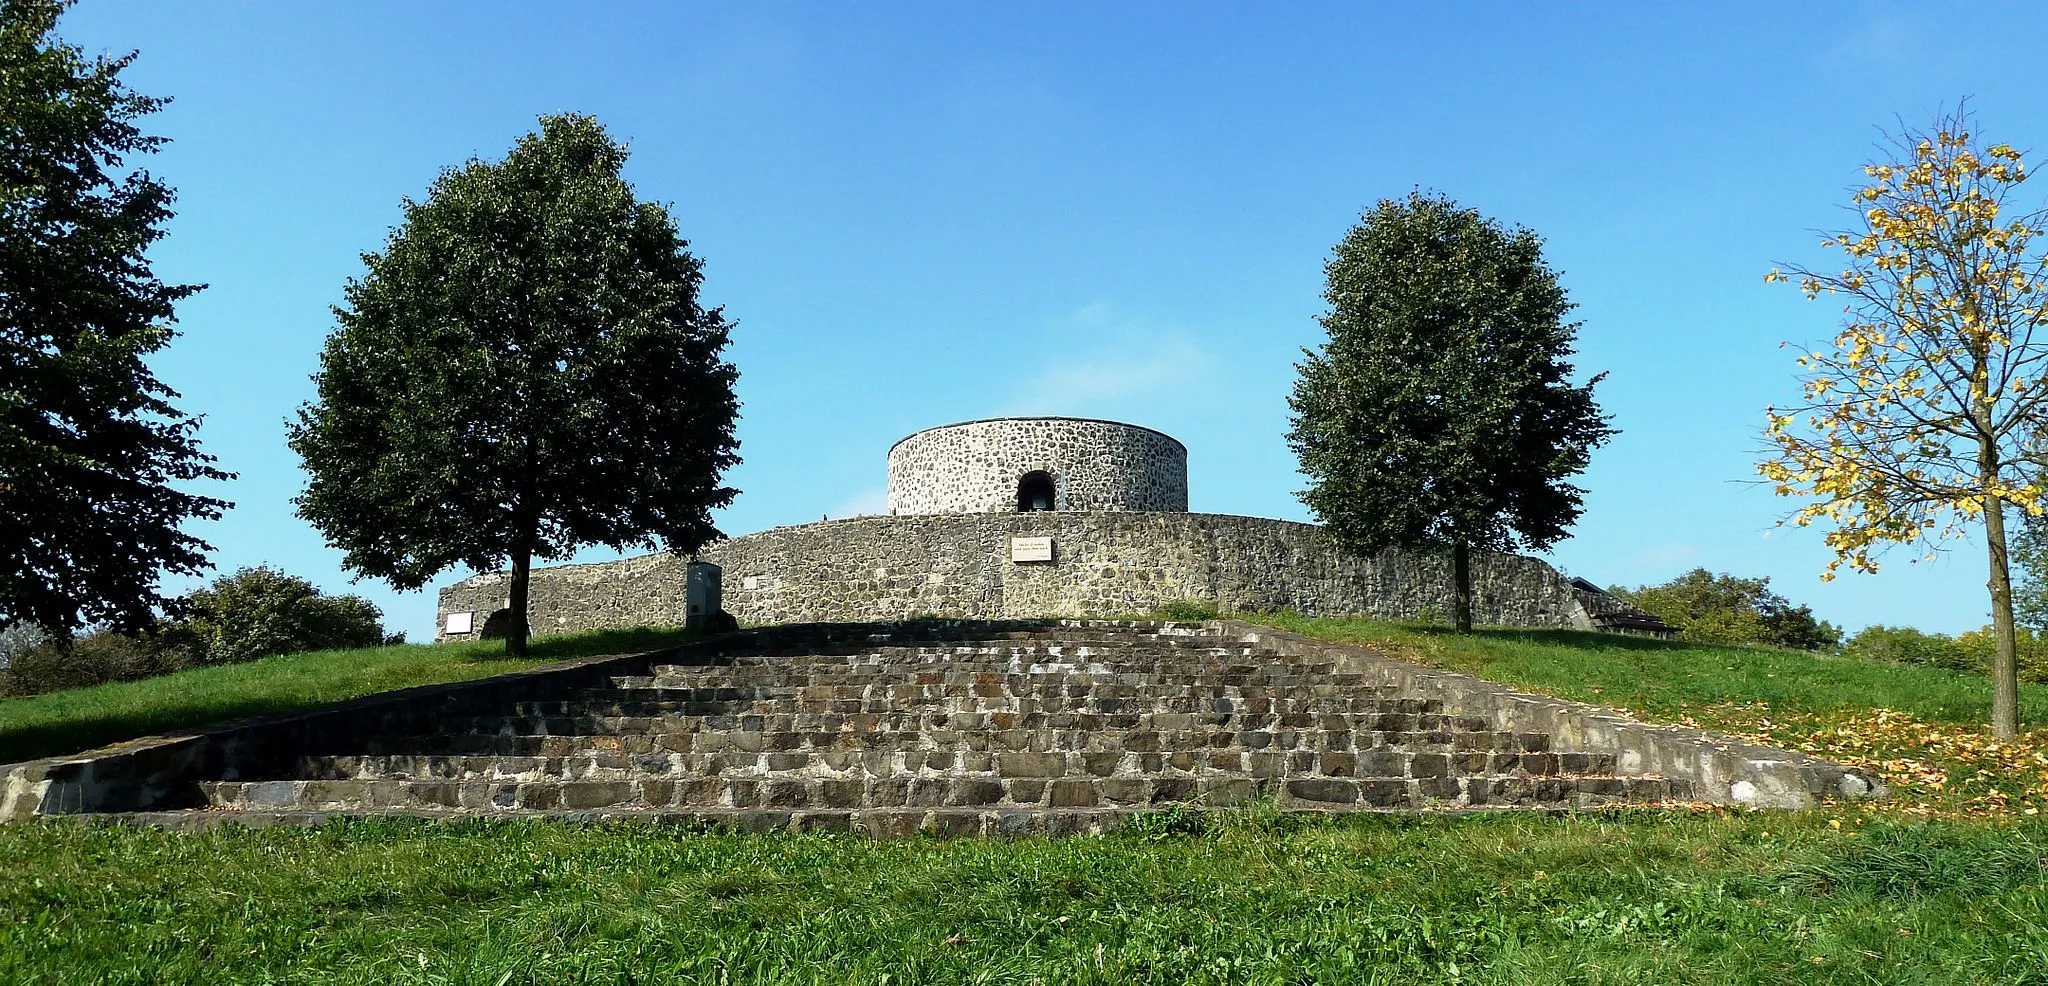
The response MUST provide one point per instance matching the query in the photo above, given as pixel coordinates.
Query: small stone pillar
(703, 595)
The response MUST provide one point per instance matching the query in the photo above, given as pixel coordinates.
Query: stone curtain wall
(874, 568)
(1095, 465)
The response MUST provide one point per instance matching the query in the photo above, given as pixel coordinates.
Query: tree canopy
(1724, 609)
(525, 369)
(1441, 410)
(257, 612)
(90, 444)
(1922, 419)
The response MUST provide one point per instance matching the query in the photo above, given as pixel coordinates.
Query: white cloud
(1127, 363)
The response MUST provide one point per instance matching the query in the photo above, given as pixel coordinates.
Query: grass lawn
(82, 718)
(1634, 898)
(1946, 883)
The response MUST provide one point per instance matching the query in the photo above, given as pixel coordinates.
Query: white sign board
(1031, 549)
(460, 622)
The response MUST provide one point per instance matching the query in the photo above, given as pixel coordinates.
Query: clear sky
(920, 213)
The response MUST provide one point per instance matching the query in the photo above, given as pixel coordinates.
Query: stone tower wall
(967, 565)
(975, 467)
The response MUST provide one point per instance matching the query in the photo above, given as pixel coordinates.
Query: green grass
(81, 718)
(1667, 677)
(1849, 893)
(1635, 898)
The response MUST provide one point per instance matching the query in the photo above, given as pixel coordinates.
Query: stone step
(892, 761)
(1259, 752)
(1249, 727)
(1051, 695)
(792, 793)
(1035, 643)
(971, 697)
(741, 676)
(782, 716)
(563, 744)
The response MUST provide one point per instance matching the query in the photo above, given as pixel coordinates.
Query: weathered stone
(1325, 790)
(1072, 794)
(1031, 764)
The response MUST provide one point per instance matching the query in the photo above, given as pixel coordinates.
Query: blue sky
(921, 213)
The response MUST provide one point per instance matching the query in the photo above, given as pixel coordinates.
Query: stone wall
(975, 467)
(874, 568)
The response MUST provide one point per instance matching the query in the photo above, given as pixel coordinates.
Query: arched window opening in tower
(1034, 492)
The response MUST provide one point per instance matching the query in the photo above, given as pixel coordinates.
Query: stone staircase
(958, 728)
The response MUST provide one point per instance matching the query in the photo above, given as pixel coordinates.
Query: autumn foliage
(1919, 421)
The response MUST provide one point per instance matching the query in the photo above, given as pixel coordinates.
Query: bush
(94, 659)
(1969, 652)
(1905, 645)
(257, 612)
(1723, 609)
(19, 639)
(1187, 609)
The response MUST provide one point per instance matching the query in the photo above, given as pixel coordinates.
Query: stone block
(1125, 790)
(1072, 793)
(596, 794)
(1226, 791)
(1031, 764)
(1026, 791)
(780, 793)
(1172, 790)
(1323, 790)
(843, 793)
(927, 792)
(968, 791)
(1384, 793)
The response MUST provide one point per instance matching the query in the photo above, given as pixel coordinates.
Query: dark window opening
(1034, 492)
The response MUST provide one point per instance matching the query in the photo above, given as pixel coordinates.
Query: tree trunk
(522, 571)
(2005, 670)
(1461, 580)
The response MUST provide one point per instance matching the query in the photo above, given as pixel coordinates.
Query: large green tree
(90, 445)
(1441, 411)
(524, 370)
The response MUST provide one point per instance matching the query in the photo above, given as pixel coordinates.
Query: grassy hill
(1944, 884)
(82, 718)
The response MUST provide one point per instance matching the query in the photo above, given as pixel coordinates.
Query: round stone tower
(1000, 465)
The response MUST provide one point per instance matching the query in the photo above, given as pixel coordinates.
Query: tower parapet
(1004, 465)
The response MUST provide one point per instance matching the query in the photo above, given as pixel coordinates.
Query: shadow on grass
(77, 719)
(632, 640)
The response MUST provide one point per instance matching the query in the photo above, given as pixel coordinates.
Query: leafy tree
(260, 611)
(1441, 410)
(94, 659)
(1922, 420)
(1723, 609)
(1905, 645)
(1971, 651)
(90, 444)
(523, 371)
(2028, 553)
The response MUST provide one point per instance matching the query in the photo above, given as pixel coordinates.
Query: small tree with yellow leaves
(1925, 417)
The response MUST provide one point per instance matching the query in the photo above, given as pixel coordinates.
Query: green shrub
(1723, 609)
(257, 612)
(95, 659)
(1969, 652)
(1905, 645)
(1187, 609)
